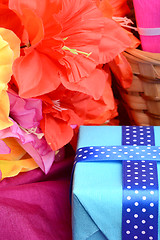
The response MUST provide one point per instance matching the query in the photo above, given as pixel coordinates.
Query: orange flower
(120, 7)
(9, 19)
(122, 70)
(111, 8)
(119, 65)
(105, 7)
(64, 108)
(64, 42)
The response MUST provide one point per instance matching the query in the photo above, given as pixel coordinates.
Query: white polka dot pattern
(119, 153)
(137, 135)
(139, 206)
(140, 188)
(140, 182)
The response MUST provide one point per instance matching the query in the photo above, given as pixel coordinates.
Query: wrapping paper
(148, 21)
(35, 206)
(97, 188)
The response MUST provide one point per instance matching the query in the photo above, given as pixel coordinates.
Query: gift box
(111, 199)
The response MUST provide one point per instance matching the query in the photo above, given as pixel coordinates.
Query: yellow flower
(16, 161)
(9, 51)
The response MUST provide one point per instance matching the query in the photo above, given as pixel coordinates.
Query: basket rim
(142, 56)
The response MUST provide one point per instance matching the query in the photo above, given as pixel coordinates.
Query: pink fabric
(147, 15)
(35, 206)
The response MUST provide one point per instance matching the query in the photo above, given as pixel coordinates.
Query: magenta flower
(26, 115)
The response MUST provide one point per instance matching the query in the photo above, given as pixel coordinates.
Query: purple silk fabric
(35, 206)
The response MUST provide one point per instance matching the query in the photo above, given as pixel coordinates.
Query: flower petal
(14, 160)
(115, 40)
(5, 122)
(77, 67)
(89, 85)
(10, 20)
(33, 25)
(26, 112)
(105, 7)
(38, 149)
(4, 149)
(57, 132)
(36, 74)
(120, 7)
(13, 41)
(122, 70)
(13, 168)
(6, 61)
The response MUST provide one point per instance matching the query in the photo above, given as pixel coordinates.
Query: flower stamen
(32, 131)
(124, 22)
(26, 45)
(76, 52)
(57, 106)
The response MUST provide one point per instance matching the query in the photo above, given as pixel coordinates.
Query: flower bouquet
(52, 78)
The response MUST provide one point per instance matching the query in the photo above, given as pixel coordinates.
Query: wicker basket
(142, 99)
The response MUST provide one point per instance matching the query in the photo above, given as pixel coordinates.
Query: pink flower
(27, 114)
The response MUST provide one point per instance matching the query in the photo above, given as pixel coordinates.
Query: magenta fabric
(147, 15)
(35, 206)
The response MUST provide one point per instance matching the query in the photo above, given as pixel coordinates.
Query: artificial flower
(64, 108)
(122, 70)
(4, 2)
(117, 9)
(108, 98)
(9, 19)
(111, 8)
(65, 50)
(120, 7)
(29, 141)
(14, 159)
(27, 114)
(105, 7)
(9, 51)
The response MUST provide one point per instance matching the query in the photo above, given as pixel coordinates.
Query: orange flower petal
(89, 85)
(120, 7)
(122, 70)
(46, 6)
(36, 74)
(57, 132)
(105, 7)
(33, 25)
(9, 20)
(111, 45)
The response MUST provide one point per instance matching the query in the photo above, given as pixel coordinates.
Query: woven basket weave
(142, 99)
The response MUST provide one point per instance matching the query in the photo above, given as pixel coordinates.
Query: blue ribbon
(139, 159)
(140, 188)
(117, 153)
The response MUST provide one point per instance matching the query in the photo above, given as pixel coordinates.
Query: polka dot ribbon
(140, 189)
(139, 157)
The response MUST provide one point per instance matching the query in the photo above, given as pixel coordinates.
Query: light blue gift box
(97, 188)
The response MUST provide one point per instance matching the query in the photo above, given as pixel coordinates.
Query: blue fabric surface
(97, 188)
